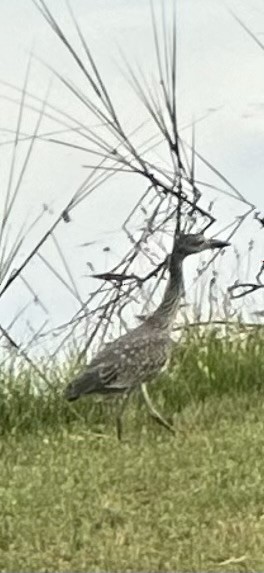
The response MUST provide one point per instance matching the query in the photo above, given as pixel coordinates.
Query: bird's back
(134, 358)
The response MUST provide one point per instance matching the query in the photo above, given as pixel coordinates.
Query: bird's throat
(165, 314)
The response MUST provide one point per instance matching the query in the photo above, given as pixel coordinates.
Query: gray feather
(88, 382)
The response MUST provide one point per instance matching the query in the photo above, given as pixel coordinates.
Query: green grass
(74, 499)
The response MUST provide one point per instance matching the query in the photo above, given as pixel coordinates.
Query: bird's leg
(120, 414)
(153, 412)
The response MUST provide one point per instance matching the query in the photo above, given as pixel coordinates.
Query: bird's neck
(164, 315)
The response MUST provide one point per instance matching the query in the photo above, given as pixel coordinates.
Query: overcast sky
(220, 70)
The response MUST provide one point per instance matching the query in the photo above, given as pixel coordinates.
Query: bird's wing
(120, 365)
(108, 373)
(107, 363)
(96, 378)
(131, 358)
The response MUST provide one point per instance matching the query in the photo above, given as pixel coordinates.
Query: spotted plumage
(136, 358)
(124, 363)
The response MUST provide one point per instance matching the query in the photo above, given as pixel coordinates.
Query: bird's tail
(84, 383)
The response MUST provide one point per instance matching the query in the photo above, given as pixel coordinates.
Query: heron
(136, 358)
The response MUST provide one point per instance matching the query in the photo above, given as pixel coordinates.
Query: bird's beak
(217, 244)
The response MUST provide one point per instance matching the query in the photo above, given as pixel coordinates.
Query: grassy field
(74, 499)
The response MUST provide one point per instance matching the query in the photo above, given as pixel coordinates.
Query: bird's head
(189, 244)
